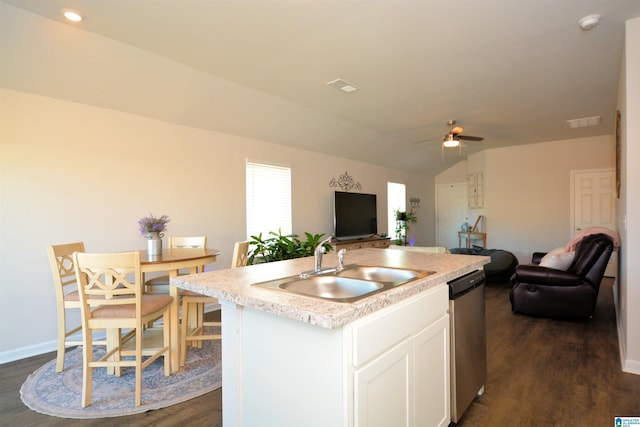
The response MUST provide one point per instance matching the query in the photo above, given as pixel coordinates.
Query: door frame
(438, 207)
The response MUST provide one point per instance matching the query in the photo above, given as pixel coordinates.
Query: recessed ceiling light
(588, 22)
(72, 15)
(343, 86)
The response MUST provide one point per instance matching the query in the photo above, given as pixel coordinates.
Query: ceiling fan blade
(457, 130)
(470, 138)
(424, 141)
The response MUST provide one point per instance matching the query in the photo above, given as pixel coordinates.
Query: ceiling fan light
(450, 142)
(72, 15)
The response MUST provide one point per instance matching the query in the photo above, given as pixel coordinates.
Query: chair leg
(138, 367)
(199, 307)
(87, 371)
(62, 338)
(183, 331)
(166, 334)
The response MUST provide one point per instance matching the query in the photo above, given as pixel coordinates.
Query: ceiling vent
(340, 84)
(584, 122)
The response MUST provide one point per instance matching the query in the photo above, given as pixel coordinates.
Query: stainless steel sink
(331, 287)
(381, 274)
(350, 284)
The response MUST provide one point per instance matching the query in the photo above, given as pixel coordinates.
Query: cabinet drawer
(380, 331)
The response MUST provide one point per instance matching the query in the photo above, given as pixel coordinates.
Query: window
(268, 199)
(396, 200)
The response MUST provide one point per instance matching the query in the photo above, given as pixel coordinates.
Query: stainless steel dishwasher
(468, 341)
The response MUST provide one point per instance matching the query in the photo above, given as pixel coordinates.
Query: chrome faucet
(318, 252)
(341, 253)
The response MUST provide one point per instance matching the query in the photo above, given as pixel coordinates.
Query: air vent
(584, 122)
(340, 84)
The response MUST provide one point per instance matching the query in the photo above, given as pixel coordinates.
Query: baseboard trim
(627, 365)
(28, 351)
(631, 366)
(49, 346)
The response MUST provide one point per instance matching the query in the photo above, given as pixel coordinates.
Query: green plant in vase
(403, 219)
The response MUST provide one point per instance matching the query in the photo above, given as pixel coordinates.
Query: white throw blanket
(571, 246)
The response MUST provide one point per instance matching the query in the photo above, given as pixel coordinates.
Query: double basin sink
(349, 284)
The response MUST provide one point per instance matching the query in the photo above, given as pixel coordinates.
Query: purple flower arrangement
(152, 224)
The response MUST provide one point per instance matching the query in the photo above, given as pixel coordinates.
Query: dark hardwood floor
(541, 372)
(203, 411)
(544, 372)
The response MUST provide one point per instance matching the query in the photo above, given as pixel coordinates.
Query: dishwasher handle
(463, 284)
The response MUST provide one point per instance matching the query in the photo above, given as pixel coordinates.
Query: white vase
(154, 244)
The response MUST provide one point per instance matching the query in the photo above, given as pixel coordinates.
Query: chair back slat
(188, 242)
(240, 254)
(196, 242)
(109, 279)
(62, 265)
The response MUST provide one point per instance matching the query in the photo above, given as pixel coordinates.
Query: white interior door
(451, 213)
(594, 200)
(594, 204)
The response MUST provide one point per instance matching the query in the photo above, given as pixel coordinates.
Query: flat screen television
(354, 215)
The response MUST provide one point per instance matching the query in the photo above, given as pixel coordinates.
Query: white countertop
(235, 285)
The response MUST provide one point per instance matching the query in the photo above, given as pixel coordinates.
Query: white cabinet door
(432, 397)
(404, 382)
(383, 389)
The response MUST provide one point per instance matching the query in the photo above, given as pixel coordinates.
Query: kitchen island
(295, 360)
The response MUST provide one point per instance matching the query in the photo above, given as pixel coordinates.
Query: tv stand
(364, 242)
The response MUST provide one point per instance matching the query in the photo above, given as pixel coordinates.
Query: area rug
(60, 394)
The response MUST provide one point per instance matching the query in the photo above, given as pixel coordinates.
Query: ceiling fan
(453, 138)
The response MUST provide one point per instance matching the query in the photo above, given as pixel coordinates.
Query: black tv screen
(354, 215)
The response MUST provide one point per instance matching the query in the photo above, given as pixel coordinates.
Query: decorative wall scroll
(415, 204)
(345, 182)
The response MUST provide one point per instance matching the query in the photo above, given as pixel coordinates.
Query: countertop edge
(235, 286)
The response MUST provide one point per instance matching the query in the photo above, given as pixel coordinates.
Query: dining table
(172, 260)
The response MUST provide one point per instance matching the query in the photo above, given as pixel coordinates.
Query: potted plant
(403, 219)
(153, 228)
(279, 247)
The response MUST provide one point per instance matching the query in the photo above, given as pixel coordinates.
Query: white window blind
(268, 199)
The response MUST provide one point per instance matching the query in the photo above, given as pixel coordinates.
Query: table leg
(195, 317)
(113, 341)
(175, 321)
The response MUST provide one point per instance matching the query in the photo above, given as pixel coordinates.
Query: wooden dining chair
(67, 298)
(240, 254)
(193, 305)
(112, 298)
(160, 284)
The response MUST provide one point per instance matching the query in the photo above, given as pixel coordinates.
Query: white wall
(453, 175)
(527, 189)
(73, 172)
(628, 286)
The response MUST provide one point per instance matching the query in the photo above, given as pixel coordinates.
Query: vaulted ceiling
(511, 71)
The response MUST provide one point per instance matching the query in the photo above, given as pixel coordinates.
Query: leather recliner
(547, 292)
